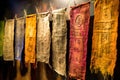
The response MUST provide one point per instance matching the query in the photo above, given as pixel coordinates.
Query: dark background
(8, 9)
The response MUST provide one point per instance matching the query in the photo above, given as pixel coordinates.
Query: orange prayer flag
(104, 38)
(30, 38)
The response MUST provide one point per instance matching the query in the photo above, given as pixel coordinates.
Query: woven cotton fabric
(59, 41)
(30, 38)
(8, 44)
(104, 38)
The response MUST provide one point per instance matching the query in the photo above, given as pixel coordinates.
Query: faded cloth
(104, 38)
(8, 44)
(79, 26)
(1, 36)
(59, 41)
(19, 38)
(30, 38)
(43, 38)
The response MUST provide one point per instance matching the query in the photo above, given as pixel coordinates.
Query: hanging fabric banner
(79, 26)
(104, 38)
(1, 36)
(19, 38)
(8, 44)
(59, 41)
(30, 38)
(43, 38)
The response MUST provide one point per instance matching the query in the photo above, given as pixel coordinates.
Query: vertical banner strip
(30, 38)
(104, 38)
(79, 26)
(59, 41)
(43, 38)
(8, 44)
(19, 38)
(1, 37)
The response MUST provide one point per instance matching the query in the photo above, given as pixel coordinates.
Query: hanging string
(5, 18)
(25, 12)
(74, 3)
(51, 7)
(68, 4)
(67, 8)
(15, 16)
(50, 10)
(36, 10)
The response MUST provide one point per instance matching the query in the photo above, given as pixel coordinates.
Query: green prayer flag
(1, 37)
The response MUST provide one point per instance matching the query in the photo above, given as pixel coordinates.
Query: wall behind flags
(8, 8)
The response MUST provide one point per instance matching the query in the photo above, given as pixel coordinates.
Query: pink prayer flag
(79, 26)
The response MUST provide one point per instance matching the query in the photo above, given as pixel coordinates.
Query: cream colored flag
(43, 38)
(8, 44)
(59, 41)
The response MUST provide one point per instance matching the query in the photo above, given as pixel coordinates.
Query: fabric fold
(79, 26)
(30, 38)
(59, 41)
(8, 44)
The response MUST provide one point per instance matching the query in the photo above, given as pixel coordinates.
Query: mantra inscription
(43, 38)
(79, 25)
(59, 41)
(8, 44)
(104, 38)
(30, 38)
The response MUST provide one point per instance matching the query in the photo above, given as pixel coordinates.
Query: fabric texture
(79, 26)
(8, 44)
(19, 38)
(59, 41)
(104, 38)
(30, 38)
(43, 38)
(1, 36)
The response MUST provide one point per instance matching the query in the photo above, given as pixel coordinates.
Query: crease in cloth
(79, 26)
(19, 37)
(8, 44)
(30, 38)
(59, 41)
(104, 37)
(1, 37)
(43, 38)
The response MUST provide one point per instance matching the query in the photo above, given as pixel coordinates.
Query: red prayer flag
(79, 26)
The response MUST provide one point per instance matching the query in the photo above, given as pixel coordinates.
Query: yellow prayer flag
(30, 38)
